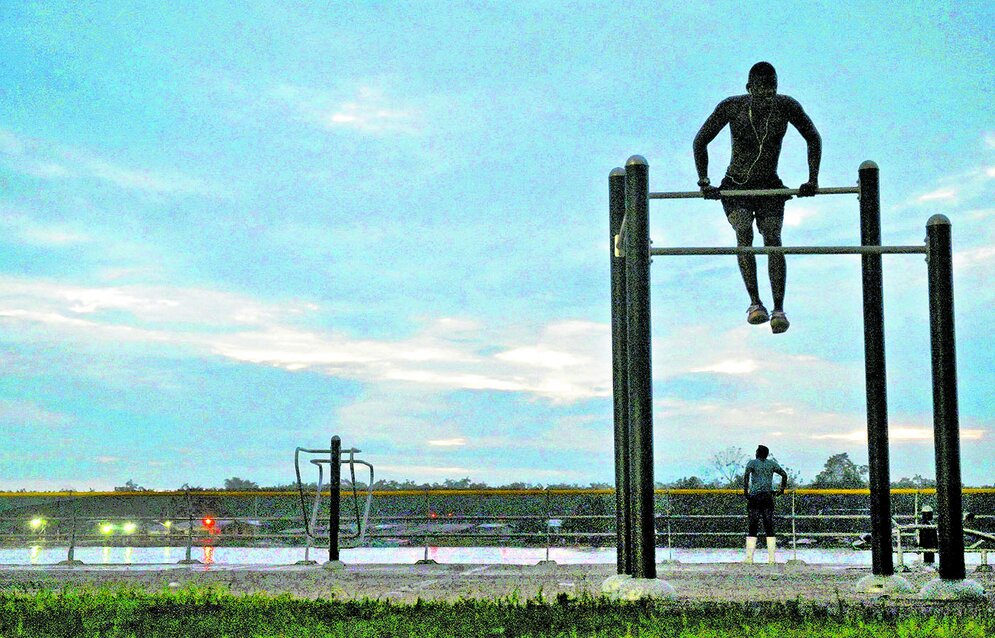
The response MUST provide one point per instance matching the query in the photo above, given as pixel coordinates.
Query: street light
(37, 523)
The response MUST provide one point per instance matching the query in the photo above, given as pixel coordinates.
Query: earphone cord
(757, 135)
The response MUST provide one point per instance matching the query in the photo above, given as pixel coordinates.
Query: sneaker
(779, 322)
(756, 314)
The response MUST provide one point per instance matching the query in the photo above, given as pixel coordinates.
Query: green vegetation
(215, 613)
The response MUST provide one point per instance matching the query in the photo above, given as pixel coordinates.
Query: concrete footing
(894, 584)
(940, 589)
(333, 564)
(625, 587)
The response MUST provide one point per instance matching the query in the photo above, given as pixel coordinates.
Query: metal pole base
(983, 569)
(625, 587)
(874, 584)
(426, 561)
(70, 562)
(940, 589)
(189, 561)
(306, 562)
(546, 563)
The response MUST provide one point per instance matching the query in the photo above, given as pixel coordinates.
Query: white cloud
(367, 109)
(795, 216)
(730, 366)
(51, 161)
(990, 139)
(899, 434)
(29, 231)
(20, 414)
(938, 194)
(974, 257)
(456, 442)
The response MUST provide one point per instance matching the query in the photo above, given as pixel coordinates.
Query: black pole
(874, 371)
(334, 479)
(640, 370)
(946, 429)
(620, 386)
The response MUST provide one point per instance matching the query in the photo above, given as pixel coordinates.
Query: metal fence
(685, 518)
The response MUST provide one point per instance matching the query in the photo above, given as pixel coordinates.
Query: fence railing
(532, 517)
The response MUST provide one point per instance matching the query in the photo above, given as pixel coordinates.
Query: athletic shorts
(741, 211)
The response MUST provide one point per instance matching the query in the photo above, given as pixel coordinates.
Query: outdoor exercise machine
(630, 249)
(334, 461)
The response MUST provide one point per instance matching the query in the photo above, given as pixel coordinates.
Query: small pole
(946, 428)
(640, 369)
(334, 480)
(794, 532)
(620, 386)
(874, 371)
(549, 522)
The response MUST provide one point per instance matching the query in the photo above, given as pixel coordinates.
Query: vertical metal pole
(946, 429)
(549, 521)
(874, 371)
(620, 385)
(640, 369)
(334, 479)
(794, 531)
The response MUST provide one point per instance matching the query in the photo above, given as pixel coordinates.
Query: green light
(129, 527)
(106, 528)
(36, 523)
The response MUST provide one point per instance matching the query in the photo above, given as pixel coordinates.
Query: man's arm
(715, 122)
(746, 483)
(784, 479)
(803, 123)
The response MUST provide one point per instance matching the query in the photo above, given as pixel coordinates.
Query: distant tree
(236, 484)
(728, 464)
(461, 484)
(794, 476)
(130, 486)
(917, 481)
(840, 472)
(689, 483)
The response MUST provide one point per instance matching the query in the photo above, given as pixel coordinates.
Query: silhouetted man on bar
(758, 122)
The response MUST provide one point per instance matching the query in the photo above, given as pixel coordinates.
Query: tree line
(725, 470)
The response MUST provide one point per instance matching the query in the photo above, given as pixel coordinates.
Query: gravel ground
(693, 582)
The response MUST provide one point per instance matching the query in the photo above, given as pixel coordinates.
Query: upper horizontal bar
(794, 250)
(836, 190)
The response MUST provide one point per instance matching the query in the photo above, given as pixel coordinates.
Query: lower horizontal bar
(794, 250)
(761, 192)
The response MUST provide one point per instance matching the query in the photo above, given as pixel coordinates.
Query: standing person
(758, 488)
(757, 122)
(928, 537)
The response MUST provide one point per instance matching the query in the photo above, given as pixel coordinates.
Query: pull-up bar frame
(630, 252)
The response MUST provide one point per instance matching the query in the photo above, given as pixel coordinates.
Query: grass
(215, 613)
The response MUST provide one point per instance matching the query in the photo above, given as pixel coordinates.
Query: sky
(231, 229)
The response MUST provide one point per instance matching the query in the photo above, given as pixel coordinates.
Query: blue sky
(226, 231)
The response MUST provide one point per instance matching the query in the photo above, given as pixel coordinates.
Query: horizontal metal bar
(792, 250)
(763, 192)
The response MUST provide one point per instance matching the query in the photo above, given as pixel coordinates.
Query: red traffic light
(207, 521)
